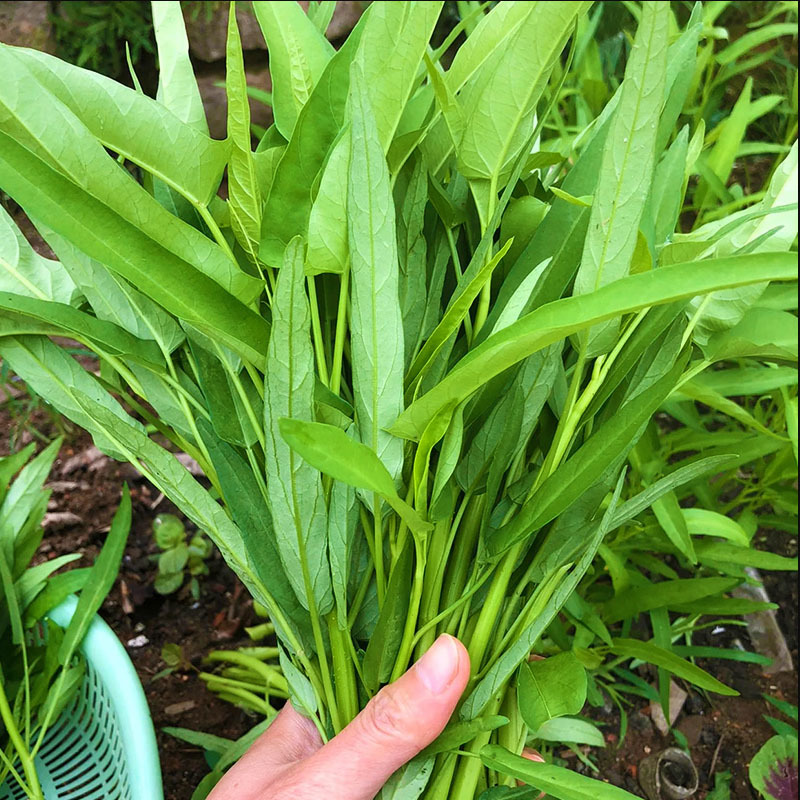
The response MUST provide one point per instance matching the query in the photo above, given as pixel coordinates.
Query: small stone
(708, 736)
(692, 727)
(639, 722)
(695, 705)
(26, 23)
(179, 708)
(138, 641)
(677, 697)
(54, 520)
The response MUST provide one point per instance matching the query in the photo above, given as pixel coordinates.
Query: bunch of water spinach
(40, 666)
(410, 348)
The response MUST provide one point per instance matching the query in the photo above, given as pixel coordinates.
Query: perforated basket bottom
(82, 757)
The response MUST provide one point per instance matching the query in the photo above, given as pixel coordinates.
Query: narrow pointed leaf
(294, 486)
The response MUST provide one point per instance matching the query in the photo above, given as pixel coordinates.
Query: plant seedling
(180, 556)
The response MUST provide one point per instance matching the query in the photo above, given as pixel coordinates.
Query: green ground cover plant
(40, 666)
(179, 556)
(416, 353)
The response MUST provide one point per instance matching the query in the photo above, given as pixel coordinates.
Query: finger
(398, 722)
(532, 755)
(289, 739)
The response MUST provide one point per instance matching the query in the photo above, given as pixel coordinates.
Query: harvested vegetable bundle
(413, 349)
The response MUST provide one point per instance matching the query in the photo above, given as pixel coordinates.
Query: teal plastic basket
(103, 746)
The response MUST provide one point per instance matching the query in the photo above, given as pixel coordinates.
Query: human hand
(289, 761)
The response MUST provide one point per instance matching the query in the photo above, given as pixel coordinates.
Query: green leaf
(101, 579)
(704, 522)
(294, 486)
(342, 519)
(301, 692)
(660, 215)
(244, 194)
(627, 169)
(103, 337)
(783, 706)
(248, 507)
(748, 380)
(750, 41)
(113, 299)
(634, 601)
(456, 311)
(672, 521)
(550, 688)
(146, 262)
(409, 781)
(173, 560)
(330, 450)
(384, 644)
(57, 589)
(559, 319)
(716, 552)
(651, 653)
(763, 333)
(376, 326)
(177, 87)
(500, 101)
(24, 271)
(298, 52)
(565, 582)
(558, 782)
(600, 452)
(23, 494)
(681, 61)
(125, 121)
(327, 225)
(462, 731)
(774, 768)
(390, 54)
(288, 205)
(773, 222)
(572, 730)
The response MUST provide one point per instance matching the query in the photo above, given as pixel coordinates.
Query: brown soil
(723, 733)
(133, 609)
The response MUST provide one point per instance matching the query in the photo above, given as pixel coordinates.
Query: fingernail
(438, 667)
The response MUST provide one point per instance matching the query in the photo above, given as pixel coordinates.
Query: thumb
(398, 722)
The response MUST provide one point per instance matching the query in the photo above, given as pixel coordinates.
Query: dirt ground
(90, 490)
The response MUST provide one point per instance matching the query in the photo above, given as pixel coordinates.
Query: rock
(677, 697)
(189, 463)
(639, 722)
(53, 520)
(207, 33)
(692, 728)
(179, 708)
(763, 629)
(25, 23)
(91, 458)
(695, 704)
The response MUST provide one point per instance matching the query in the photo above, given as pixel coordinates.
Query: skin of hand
(289, 761)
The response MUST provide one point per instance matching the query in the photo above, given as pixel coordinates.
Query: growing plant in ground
(40, 668)
(741, 100)
(180, 555)
(411, 351)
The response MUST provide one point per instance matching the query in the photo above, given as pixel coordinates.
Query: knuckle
(386, 718)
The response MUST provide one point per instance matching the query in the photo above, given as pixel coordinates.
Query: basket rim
(109, 659)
